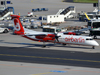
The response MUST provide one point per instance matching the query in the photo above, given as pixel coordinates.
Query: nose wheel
(93, 47)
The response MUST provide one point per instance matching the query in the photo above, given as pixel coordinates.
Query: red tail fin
(18, 28)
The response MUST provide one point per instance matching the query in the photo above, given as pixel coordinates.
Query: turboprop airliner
(51, 37)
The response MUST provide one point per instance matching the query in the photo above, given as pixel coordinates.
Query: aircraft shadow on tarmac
(27, 45)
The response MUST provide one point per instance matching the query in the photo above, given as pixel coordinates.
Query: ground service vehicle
(95, 32)
(93, 23)
(51, 29)
(4, 30)
(30, 14)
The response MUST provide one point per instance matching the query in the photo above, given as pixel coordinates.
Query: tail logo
(16, 24)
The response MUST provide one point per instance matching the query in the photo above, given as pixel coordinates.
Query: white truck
(4, 30)
(30, 14)
(53, 29)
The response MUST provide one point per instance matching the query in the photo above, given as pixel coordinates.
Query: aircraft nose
(96, 44)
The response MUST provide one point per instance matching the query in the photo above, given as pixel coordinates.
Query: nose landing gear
(93, 47)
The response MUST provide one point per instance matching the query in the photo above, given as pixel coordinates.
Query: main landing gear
(43, 45)
(63, 44)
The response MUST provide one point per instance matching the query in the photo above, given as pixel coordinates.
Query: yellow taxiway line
(42, 73)
(49, 58)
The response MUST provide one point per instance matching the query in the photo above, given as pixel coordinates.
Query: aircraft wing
(36, 34)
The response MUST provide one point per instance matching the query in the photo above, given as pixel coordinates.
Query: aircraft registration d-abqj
(51, 37)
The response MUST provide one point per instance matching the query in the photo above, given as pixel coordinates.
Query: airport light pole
(5, 4)
(98, 6)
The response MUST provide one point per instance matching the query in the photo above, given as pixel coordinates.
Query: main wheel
(93, 47)
(44, 46)
(64, 44)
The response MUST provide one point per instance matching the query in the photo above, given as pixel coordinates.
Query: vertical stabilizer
(18, 28)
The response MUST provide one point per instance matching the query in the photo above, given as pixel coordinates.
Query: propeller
(56, 37)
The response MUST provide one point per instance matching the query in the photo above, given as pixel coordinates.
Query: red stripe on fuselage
(46, 38)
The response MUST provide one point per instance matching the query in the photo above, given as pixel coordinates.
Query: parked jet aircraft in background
(51, 37)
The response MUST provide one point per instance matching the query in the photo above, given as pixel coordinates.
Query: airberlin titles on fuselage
(71, 39)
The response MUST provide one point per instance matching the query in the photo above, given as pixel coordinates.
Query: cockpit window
(89, 39)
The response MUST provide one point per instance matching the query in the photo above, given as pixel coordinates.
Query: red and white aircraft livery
(50, 37)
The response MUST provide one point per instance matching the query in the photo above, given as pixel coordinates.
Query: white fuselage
(78, 40)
